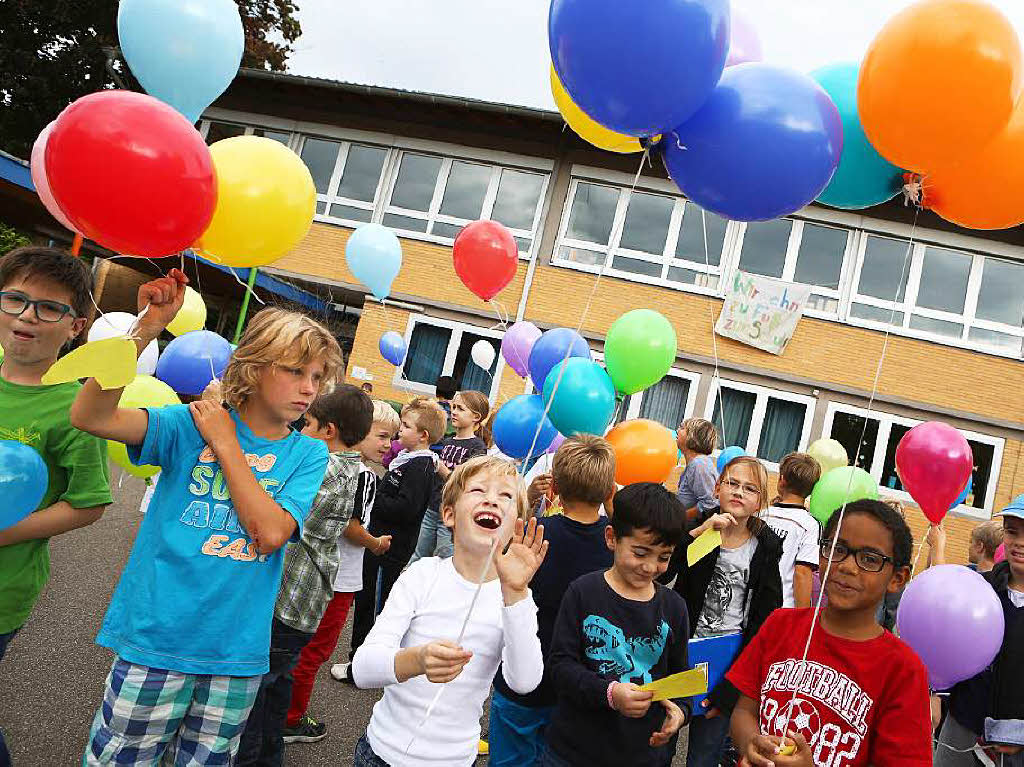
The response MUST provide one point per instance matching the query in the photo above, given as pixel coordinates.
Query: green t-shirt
(38, 416)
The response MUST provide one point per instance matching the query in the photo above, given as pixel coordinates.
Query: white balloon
(114, 324)
(483, 354)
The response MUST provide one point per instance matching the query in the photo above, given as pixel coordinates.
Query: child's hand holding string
(160, 301)
(443, 660)
(520, 560)
(214, 423)
(766, 751)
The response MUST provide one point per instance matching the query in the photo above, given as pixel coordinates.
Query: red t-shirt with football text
(856, 703)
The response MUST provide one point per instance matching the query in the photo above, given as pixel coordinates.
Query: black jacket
(402, 497)
(764, 592)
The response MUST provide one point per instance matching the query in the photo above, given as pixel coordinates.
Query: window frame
(457, 328)
(636, 400)
(331, 197)
(885, 423)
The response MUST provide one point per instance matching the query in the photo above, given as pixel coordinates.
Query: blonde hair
(584, 469)
(278, 337)
(386, 416)
(757, 469)
(478, 404)
(484, 464)
(428, 416)
(701, 436)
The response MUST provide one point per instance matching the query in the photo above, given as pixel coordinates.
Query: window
(437, 196)
(216, 131)
(439, 347)
(669, 402)
(765, 422)
(882, 434)
(347, 178)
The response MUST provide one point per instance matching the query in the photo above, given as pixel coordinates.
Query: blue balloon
(374, 255)
(183, 52)
(968, 488)
(863, 178)
(727, 455)
(192, 360)
(516, 426)
(763, 146)
(551, 348)
(582, 398)
(392, 348)
(23, 481)
(639, 68)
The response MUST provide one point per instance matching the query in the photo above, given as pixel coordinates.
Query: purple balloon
(744, 42)
(953, 620)
(555, 443)
(517, 345)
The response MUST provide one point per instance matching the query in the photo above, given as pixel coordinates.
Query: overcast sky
(497, 50)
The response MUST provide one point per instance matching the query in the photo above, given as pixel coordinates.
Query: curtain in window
(427, 349)
(474, 376)
(739, 409)
(781, 430)
(665, 402)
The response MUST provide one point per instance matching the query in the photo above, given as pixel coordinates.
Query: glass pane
(593, 209)
(220, 131)
(820, 258)
(443, 229)
(665, 402)
(821, 303)
(984, 454)
(518, 195)
(408, 223)
(273, 135)
(782, 428)
(690, 245)
(320, 157)
(362, 173)
(890, 478)
(739, 409)
(646, 225)
(1001, 341)
(876, 314)
(524, 244)
(847, 429)
(689, 277)
(465, 190)
(1001, 298)
(944, 276)
(467, 373)
(427, 349)
(881, 273)
(939, 327)
(351, 213)
(581, 256)
(764, 247)
(414, 187)
(321, 206)
(636, 266)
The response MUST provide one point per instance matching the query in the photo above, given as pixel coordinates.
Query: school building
(945, 305)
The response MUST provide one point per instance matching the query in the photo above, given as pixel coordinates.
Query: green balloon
(844, 484)
(639, 350)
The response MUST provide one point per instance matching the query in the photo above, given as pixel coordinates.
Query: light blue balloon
(23, 481)
(392, 347)
(374, 256)
(727, 455)
(183, 52)
(582, 399)
(863, 178)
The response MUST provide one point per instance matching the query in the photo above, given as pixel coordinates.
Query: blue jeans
(516, 734)
(5, 757)
(365, 757)
(707, 740)
(262, 742)
(435, 538)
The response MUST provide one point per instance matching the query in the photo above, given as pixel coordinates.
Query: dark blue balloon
(392, 347)
(764, 145)
(639, 68)
(192, 360)
(727, 455)
(23, 481)
(515, 427)
(551, 348)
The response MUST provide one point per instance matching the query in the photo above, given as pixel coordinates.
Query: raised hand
(160, 299)
(214, 423)
(520, 561)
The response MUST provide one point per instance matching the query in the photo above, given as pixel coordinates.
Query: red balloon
(934, 462)
(131, 173)
(486, 257)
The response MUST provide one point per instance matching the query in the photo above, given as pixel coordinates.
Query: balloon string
(917, 557)
(252, 293)
(717, 380)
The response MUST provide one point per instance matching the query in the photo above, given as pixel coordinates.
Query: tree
(55, 51)
(11, 238)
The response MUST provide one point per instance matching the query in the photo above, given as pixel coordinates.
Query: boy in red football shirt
(861, 697)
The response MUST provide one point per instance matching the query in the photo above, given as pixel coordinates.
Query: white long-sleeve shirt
(429, 602)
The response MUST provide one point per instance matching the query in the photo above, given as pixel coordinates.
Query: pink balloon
(37, 166)
(934, 462)
(744, 43)
(1000, 553)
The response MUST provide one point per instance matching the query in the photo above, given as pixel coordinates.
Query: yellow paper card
(707, 542)
(111, 361)
(681, 685)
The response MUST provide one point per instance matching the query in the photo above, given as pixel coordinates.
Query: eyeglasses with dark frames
(15, 305)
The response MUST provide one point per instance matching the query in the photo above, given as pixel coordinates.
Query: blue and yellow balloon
(586, 127)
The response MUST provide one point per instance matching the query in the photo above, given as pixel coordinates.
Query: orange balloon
(938, 82)
(987, 190)
(645, 451)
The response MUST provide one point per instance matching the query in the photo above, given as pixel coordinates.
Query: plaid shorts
(152, 716)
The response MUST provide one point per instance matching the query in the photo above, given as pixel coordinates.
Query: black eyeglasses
(867, 560)
(15, 304)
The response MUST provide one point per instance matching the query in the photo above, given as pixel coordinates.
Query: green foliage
(11, 238)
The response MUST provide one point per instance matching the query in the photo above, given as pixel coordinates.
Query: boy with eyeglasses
(861, 696)
(44, 305)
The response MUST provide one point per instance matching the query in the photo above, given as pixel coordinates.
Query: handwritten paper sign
(762, 312)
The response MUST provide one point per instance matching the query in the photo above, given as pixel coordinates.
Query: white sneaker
(340, 672)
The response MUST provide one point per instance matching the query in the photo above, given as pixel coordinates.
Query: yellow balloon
(111, 361)
(144, 391)
(191, 316)
(586, 127)
(829, 453)
(265, 202)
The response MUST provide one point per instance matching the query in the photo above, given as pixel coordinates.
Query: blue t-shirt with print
(196, 596)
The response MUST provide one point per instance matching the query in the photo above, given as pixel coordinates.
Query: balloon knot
(913, 189)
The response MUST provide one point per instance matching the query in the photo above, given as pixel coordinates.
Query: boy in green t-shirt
(44, 304)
